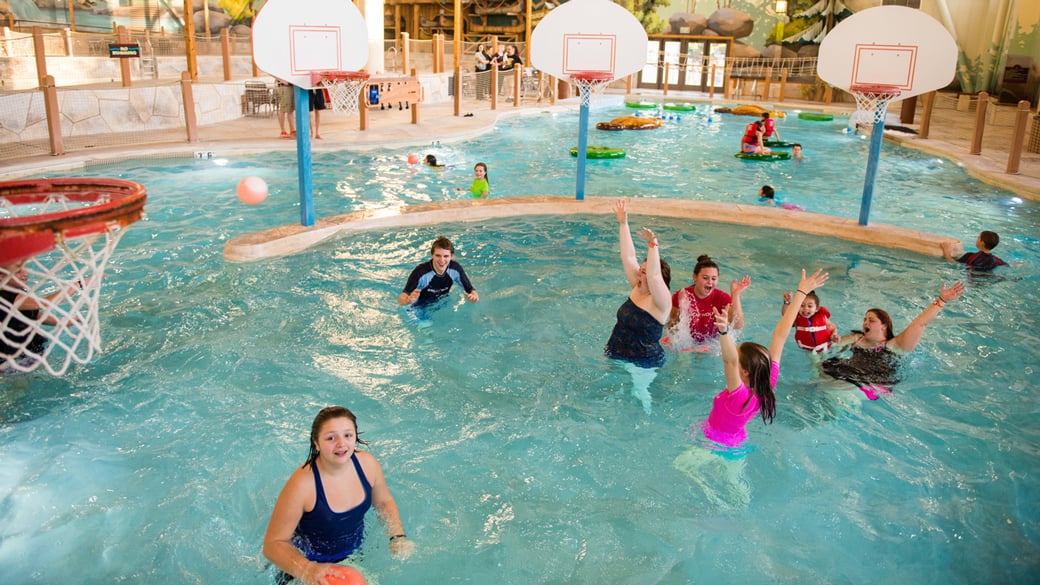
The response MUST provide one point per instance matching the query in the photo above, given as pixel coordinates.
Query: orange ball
(345, 576)
(413, 159)
(252, 190)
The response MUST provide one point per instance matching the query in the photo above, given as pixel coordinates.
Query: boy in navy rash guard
(983, 260)
(432, 279)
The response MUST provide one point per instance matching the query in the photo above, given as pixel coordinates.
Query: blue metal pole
(302, 99)
(583, 140)
(876, 136)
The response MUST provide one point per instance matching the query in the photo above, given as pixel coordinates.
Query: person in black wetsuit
(432, 279)
(636, 338)
(306, 535)
(876, 351)
(18, 311)
(982, 261)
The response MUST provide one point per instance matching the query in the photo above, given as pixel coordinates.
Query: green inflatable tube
(680, 107)
(782, 155)
(642, 105)
(600, 152)
(777, 143)
(815, 116)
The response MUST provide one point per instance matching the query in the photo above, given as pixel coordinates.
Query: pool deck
(950, 136)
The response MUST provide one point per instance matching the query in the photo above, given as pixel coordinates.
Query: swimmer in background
(480, 188)
(636, 337)
(432, 279)
(814, 330)
(691, 322)
(307, 534)
(877, 352)
(751, 373)
(982, 261)
(767, 195)
(796, 151)
(431, 161)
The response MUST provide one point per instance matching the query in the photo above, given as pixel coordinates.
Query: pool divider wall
(295, 238)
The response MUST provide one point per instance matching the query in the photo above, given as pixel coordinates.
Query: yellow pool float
(631, 123)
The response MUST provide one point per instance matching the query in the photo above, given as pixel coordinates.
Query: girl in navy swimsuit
(307, 532)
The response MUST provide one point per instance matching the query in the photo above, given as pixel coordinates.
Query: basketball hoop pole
(302, 100)
(876, 137)
(873, 101)
(583, 142)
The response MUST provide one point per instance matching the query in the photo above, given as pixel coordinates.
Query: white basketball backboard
(596, 36)
(294, 38)
(889, 45)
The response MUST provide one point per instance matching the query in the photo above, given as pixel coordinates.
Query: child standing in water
(751, 373)
(716, 462)
(480, 187)
(814, 330)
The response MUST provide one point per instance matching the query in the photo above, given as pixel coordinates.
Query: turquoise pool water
(511, 445)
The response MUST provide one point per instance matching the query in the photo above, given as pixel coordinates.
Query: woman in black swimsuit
(876, 351)
(636, 338)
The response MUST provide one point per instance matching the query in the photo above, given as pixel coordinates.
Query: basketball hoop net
(589, 82)
(872, 102)
(344, 88)
(56, 236)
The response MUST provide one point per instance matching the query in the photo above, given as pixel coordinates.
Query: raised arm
(728, 347)
(909, 338)
(806, 285)
(736, 311)
(629, 262)
(654, 280)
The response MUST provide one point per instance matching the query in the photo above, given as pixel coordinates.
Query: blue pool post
(302, 99)
(876, 136)
(583, 140)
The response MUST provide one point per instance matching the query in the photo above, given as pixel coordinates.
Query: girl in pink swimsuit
(751, 373)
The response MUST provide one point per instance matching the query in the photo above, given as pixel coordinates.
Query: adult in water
(876, 351)
(693, 306)
(307, 534)
(636, 338)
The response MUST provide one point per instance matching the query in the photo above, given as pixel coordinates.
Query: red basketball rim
(25, 236)
(591, 76)
(320, 76)
(867, 88)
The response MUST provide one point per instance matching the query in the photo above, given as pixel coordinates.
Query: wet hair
(991, 239)
(813, 297)
(796, 144)
(442, 243)
(885, 319)
(480, 164)
(768, 192)
(704, 261)
(666, 273)
(325, 415)
(755, 360)
(430, 160)
(765, 115)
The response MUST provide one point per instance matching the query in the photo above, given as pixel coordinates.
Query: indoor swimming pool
(512, 446)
